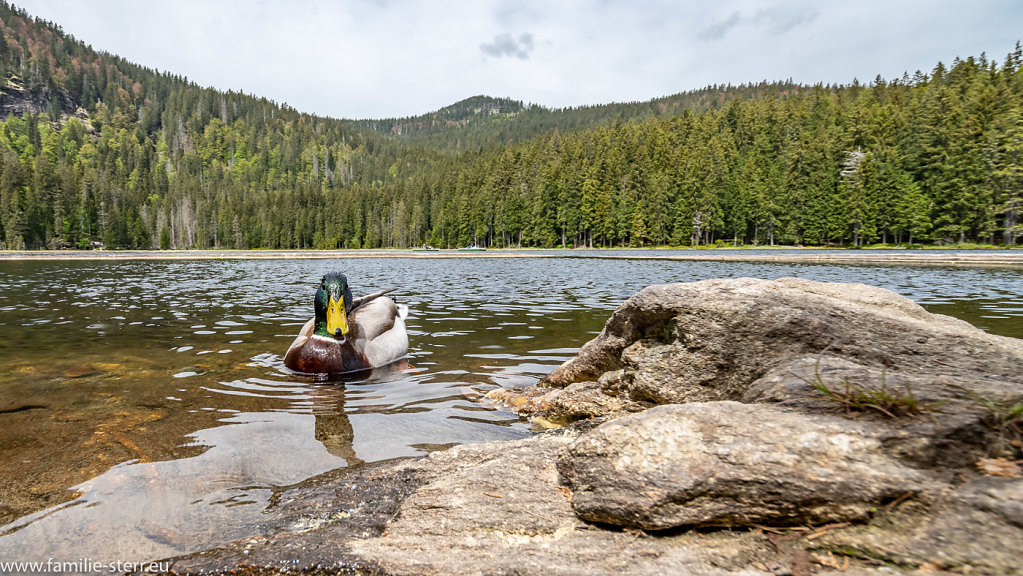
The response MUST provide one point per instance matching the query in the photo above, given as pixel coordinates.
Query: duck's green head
(333, 301)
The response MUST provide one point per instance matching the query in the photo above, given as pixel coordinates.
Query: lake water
(145, 411)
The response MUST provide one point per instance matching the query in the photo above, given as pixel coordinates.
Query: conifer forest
(98, 151)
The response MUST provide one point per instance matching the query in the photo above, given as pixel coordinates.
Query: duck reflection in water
(333, 428)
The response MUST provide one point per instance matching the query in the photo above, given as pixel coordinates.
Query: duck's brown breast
(321, 355)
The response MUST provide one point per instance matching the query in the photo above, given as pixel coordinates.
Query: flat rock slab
(501, 508)
(504, 508)
(495, 508)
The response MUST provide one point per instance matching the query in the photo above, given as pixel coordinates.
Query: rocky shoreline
(719, 427)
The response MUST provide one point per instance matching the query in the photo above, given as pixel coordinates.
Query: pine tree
(1006, 157)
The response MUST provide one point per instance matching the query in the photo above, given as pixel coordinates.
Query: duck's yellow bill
(336, 317)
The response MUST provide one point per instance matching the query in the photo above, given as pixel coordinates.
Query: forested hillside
(930, 158)
(95, 149)
(482, 122)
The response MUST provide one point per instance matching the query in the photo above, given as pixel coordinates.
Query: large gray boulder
(707, 340)
(788, 341)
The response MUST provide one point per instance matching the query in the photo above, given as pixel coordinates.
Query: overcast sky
(391, 58)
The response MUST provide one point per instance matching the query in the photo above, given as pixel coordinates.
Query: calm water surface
(145, 411)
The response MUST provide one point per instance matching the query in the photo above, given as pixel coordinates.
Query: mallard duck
(346, 334)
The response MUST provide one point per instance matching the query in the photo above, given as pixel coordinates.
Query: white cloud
(507, 45)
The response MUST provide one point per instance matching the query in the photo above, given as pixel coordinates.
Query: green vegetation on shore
(95, 149)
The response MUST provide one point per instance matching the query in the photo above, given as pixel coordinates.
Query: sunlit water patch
(145, 411)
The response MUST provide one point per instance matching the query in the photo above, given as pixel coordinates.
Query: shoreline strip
(1001, 259)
